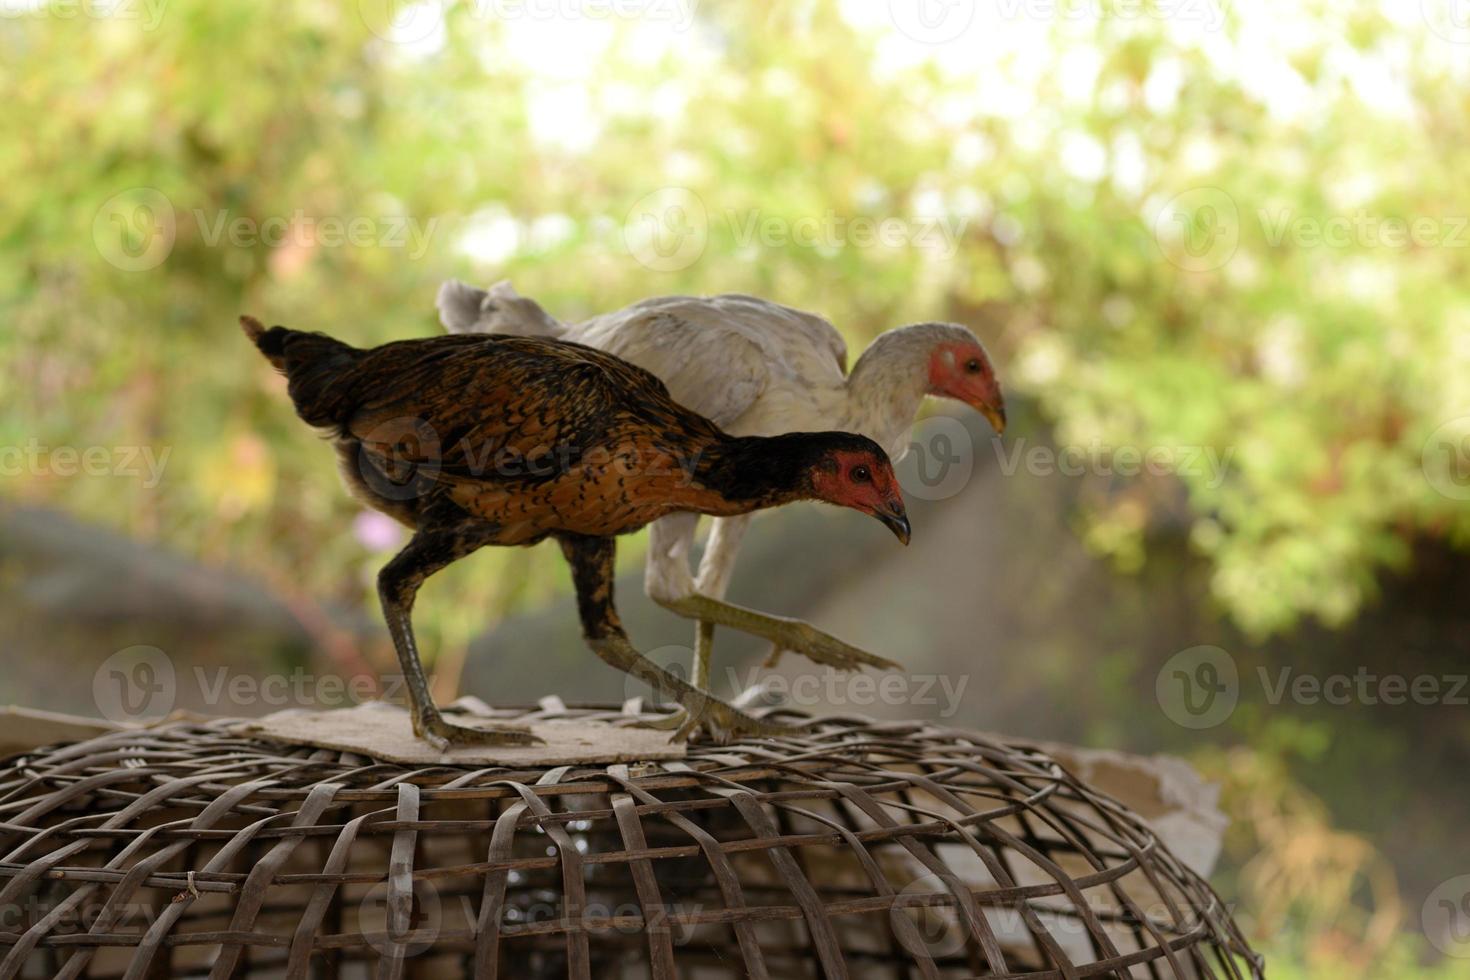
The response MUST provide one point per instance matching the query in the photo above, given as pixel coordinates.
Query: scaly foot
(725, 723)
(822, 648)
(702, 710)
(783, 632)
(444, 735)
(722, 721)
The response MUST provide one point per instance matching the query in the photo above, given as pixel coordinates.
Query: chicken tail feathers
(499, 309)
(272, 342)
(314, 365)
(459, 306)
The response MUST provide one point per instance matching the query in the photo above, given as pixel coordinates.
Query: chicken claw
(700, 710)
(444, 735)
(725, 723)
(783, 632)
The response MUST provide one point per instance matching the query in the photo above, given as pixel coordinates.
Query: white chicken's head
(959, 368)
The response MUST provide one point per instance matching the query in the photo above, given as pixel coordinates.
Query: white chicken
(754, 368)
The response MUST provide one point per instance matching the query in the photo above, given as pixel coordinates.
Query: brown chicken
(494, 440)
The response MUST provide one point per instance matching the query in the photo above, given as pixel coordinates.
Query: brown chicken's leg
(592, 572)
(430, 551)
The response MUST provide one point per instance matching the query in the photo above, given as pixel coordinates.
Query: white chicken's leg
(669, 583)
(716, 566)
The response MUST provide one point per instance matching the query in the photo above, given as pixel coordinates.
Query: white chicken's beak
(995, 414)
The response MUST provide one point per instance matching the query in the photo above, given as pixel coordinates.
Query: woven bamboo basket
(858, 850)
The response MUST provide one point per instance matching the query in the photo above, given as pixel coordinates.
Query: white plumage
(754, 368)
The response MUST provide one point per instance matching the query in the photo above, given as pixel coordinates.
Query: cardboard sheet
(383, 731)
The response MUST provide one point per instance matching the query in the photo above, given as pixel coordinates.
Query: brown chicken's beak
(896, 519)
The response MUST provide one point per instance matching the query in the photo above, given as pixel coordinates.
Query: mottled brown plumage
(476, 440)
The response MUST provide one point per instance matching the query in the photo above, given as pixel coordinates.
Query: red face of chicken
(864, 481)
(962, 371)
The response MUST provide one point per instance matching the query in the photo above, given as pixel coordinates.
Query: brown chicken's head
(959, 368)
(855, 472)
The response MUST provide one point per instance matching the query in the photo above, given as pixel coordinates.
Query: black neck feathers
(770, 469)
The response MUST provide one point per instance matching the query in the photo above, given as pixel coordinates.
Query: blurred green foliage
(1180, 233)
(1246, 235)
